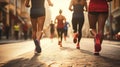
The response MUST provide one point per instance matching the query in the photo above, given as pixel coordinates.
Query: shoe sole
(97, 54)
(77, 47)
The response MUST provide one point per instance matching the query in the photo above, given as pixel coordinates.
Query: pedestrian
(52, 29)
(37, 15)
(66, 25)
(25, 30)
(77, 19)
(16, 31)
(1, 29)
(7, 31)
(60, 20)
(97, 12)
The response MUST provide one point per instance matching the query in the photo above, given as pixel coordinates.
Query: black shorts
(97, 13)
(37, 12)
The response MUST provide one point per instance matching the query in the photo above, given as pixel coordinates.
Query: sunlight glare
(61, 4)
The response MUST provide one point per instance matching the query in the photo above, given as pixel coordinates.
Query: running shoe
(78, 46)
(96, 53)
(75, 37)
(97, 43)
(37, 46)
(60, 43)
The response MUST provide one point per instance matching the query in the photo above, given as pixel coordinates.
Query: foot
(65, 38)
(77, 46)
(36, 53)
(60, 43)
(97, 43)
(37, 46)
(96, 53)
(75, 37)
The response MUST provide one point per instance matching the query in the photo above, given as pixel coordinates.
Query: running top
(98, 6)
(60, 23)
(37, 3)
(78, 11)
(78, 8)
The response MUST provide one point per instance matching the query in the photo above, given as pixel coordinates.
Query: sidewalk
(10, 40)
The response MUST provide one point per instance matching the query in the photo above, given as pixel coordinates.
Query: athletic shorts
(97, 13)
(37, 12)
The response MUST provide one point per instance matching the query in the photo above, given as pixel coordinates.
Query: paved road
(22, 54)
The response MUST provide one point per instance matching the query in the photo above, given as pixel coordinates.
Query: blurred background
(14, 12)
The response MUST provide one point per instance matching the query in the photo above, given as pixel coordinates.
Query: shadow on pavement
(67, 48)
(77, 58)
(25, 62)
(101, 60)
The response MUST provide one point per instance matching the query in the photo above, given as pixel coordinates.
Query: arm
(70, 6)
(64, 19)
(49, 2)
(55, 22)
(27, 3)
(86, 6)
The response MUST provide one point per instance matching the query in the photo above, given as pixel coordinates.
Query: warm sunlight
(61, 4)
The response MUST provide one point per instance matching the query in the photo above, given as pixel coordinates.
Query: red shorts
(98, 6)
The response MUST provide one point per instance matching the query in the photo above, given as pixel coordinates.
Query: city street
(21, 54)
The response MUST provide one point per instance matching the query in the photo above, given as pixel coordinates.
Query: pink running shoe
(60, 43)
(75, 37)
(97, 43)
(78, 46)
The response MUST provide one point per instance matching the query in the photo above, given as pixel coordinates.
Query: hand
(51, 4)
(70, 9)
(86, 10)
(27, 5)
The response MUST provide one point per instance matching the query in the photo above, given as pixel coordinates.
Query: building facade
(115, 9)
(11, 12)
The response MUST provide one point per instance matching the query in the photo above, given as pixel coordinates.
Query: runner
(37, 15)
(77, 19)
(97, 12)
(60, 20)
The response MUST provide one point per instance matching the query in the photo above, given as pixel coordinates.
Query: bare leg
(92, 22)
(37, 24)
(34, 27)
(93, 18)
(40, 27)
(101, 23)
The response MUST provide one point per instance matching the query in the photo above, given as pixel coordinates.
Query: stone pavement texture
(68, 56)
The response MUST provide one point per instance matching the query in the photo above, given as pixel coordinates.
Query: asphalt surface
(22, 54)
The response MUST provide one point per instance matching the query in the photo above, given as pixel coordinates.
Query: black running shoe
(37, 46)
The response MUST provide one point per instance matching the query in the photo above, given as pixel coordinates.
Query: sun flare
(61, 4)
